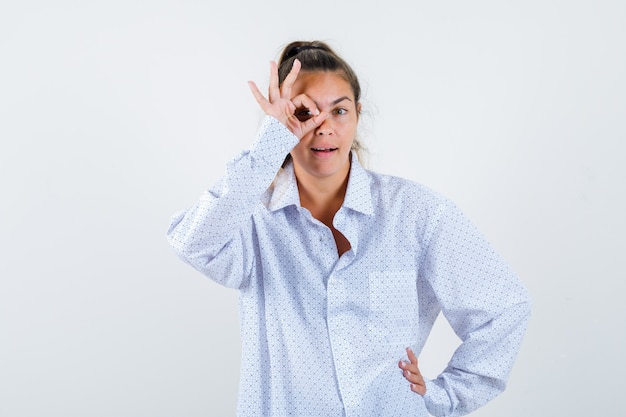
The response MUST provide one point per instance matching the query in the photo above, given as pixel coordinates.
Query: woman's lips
(324, 153)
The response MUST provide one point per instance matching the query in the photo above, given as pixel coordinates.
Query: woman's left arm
(487, 306)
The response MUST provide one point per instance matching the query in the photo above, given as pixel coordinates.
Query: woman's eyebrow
(339, 100)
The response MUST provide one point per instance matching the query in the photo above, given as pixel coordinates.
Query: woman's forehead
(323, 86)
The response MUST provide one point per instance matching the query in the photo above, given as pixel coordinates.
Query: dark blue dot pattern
(322, 334)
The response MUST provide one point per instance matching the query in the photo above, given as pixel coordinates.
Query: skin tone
(320, 109)
(411, 373)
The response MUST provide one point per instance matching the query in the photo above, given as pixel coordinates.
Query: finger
(416, 381)
(414, 377)
(419, 389)
(274, 89)
(314, 122)
(411, 355)
(304, 101)
(413, 374)
(410, 369)
(290, 80)
(260, 98)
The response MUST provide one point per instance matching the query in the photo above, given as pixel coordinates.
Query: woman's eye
(303, 114)
(341, 111)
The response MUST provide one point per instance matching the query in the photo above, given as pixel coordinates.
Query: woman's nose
(325, 128)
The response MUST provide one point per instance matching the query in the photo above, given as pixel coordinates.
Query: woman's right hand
(282, 106)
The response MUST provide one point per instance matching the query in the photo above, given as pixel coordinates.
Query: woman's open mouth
(324, 150)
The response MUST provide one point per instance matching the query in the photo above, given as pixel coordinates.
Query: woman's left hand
(412, 373)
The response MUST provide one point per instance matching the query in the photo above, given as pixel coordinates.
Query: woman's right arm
(214, 236)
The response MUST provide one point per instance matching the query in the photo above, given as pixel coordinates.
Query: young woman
(342, 271)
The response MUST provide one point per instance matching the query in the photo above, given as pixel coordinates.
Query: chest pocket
(393, 309)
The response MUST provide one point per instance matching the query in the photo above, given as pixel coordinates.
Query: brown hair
(317, 56)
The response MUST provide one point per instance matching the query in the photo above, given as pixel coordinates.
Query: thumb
(314, 122)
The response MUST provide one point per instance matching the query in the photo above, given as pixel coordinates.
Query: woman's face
(324, 152)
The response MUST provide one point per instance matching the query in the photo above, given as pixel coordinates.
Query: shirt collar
(359, 193)
(284, 189)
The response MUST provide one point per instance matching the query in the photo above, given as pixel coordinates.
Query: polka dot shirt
(321, 334)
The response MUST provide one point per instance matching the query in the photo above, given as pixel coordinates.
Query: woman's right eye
(303, 114)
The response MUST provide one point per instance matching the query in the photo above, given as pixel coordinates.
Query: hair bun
(295, 50)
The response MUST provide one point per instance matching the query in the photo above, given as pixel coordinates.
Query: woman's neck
(322, 196)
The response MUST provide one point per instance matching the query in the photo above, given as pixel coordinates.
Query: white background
(116, 114)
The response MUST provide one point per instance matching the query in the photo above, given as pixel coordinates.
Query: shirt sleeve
(214, 235)
(487, 306)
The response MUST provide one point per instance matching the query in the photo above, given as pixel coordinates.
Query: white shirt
(322, 334)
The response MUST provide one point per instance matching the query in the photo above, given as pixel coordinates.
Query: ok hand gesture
(282, 106)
